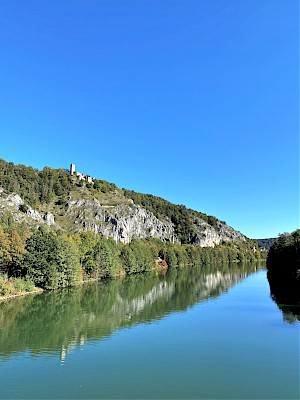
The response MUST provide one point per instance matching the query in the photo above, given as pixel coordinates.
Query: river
(195, 333)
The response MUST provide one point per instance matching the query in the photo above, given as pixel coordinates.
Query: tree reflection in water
(285, 291)
(55, 322)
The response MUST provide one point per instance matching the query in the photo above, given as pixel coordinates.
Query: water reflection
(55, 322)
(285, 291)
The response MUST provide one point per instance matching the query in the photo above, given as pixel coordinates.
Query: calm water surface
(191, 334)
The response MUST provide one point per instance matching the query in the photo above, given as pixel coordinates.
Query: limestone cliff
(13, 206)
(123, 222)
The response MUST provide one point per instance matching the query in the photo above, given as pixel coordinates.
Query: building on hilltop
(72, 169)
(80, 175)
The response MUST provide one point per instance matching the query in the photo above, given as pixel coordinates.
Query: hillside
(67, 202)
(265, 243)
(59, 229)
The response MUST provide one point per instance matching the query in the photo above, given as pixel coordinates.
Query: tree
(5, 256)
(87, 252)
(107, 258)
(284, 254)
(16, 250)
(129, 260)
(51, 261)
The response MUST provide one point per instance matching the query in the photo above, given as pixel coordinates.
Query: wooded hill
(71, 247)
(52, 189)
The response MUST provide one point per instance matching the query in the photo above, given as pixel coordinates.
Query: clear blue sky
(195, 101)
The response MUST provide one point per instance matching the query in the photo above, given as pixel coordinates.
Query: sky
(195, 101)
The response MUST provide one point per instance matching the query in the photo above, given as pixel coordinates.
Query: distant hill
(265, 243)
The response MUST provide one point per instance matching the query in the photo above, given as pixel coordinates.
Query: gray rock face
(33, 214)
(123, 222)
(49, 218)
(126, 222)
(208, 236)
(14, 200)
(11, 200)
(11, 204)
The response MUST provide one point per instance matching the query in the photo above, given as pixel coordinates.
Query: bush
(15, 286)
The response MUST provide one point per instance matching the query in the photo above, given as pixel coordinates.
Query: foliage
(51, 261)
(87, 245)
(49, 185)
(15, 286)
(284, 254)
(35, 187)
(12, 247)
(107, 258)
(104, 186)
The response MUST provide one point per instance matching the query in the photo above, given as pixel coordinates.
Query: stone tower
(72, 169)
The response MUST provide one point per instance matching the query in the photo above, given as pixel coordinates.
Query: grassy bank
(13, 287)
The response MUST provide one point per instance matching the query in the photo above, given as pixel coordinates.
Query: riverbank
(4, 298)
(15, 287)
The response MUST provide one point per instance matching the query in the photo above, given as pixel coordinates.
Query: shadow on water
(285, 291)
(55, 322)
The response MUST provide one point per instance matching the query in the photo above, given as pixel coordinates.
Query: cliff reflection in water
(55, 322)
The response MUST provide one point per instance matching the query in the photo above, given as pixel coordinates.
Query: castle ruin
(80, 175)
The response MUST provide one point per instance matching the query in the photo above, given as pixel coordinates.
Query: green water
(191, 334)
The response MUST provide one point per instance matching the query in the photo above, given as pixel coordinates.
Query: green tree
(5, 256)
(107, 258)
(88, 241)
(129, 260)
(50, 261)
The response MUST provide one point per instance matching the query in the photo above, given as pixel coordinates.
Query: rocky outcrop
(126, 222)
(10, 205)
(33, 214)
(14, 205)
(209, 236)
(49, 218)
(13, 200)
(123, 222)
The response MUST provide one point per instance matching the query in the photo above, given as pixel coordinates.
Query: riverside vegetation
(283, 264)
(41, 253)
(284, 255)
